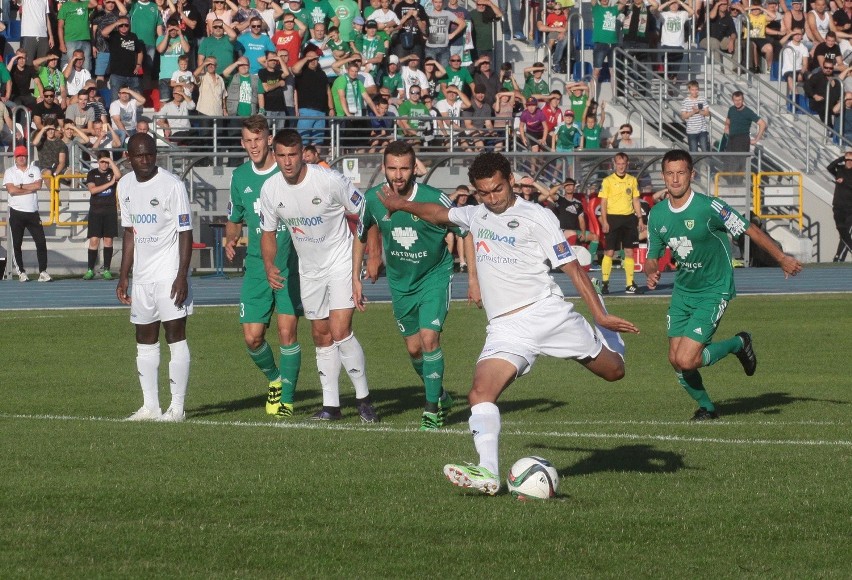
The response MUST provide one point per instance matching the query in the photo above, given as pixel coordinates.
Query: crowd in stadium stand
(426, 72)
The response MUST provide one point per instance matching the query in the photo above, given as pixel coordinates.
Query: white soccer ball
(533, 478)
(584, 257)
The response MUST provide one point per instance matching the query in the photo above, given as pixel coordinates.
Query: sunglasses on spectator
(218, 28)
(49, 95)
(256, 27)
(413, 92)
(625, 133)
(123, 25)
(455, 60)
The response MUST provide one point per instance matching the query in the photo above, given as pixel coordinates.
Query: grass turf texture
(762, 492)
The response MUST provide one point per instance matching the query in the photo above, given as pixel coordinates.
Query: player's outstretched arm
(590, 297)
(128, 246)
(790, 265)
(268, 250)
(652, 272)
(433, 213)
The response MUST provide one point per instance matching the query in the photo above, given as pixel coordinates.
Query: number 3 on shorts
(242, 309)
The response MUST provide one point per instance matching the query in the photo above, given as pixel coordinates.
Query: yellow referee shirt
(619, 193)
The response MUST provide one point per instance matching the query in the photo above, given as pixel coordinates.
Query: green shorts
(258, 300)
(695, 316)
(424, 309)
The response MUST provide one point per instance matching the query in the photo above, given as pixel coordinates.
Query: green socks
(433, 374)
(265, 361)
(716, 351)
(417, 363)
(291, 361)
(692, 383)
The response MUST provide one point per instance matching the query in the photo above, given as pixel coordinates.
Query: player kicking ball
(420, 270)
(517, 243)
(696, 228)
(312, 202)
(257, 299)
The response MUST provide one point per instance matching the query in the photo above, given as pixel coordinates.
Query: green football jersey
(416, 253)
(697, 234)
(245, 207)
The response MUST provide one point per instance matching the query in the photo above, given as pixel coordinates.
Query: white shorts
(551, 327)
(153, 302)
(331, 292)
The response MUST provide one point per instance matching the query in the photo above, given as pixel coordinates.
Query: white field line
(463, 432)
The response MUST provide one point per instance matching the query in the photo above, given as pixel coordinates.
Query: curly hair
(486, 165)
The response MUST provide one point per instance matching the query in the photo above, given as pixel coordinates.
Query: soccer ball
(533, 478)
(584, 257)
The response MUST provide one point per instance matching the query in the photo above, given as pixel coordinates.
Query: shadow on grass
(625, 458)
(303, 399)
(766, 403)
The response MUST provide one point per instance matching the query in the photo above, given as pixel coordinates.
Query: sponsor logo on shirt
(405, 237)
(486, 234)
(356, 198)
(315, 201)
(562, 250)
(230, 208)
(143, 218)
(183, 220)
(689, 224)
(304, 221)
(155, 202)
(732, 222)
(513, 224)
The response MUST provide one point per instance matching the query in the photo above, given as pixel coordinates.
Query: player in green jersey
(257, 299)
(419, 269)
(696, 228)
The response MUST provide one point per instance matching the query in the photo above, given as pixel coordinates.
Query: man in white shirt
(517, 243)
(312, 202)
(22, 182)
(157, 246)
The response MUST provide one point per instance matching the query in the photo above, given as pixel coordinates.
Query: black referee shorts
(623, 232)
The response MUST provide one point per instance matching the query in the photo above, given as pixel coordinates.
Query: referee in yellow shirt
(620, 220)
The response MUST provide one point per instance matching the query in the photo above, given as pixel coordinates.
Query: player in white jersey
(516, 244)
(312, 202)
(157, 246)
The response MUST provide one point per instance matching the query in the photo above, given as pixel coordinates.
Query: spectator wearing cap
(290, 37)
(567, 135)
(444, 27)
(394, 81)
(478, 122)
(412, 75)
(485, 76)
(482, 21)
(534, 85)
(255, 44)
(457, 76)
(73, 29)
(533, 126)
(126, 54)
(413, 24)
(358, 24)
(413, 114)
(22, 182)
(220, 45)
(313, 97)
(372, 49)
(346, 11)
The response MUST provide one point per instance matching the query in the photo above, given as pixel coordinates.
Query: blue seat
(584, 41)
(773, 71)
(581, 70)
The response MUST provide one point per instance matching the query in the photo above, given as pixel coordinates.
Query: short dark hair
(737, 94)
(487, 164)
(677, 155)
(399, 149)
(104, 155)
(311, 147)
(287, 138)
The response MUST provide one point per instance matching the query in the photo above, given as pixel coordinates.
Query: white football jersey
(157, 210)
(314, 212)
(515, 251)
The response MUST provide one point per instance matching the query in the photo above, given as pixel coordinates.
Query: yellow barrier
(758, 195)
(54, 199)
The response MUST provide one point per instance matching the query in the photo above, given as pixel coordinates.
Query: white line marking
(461, 432)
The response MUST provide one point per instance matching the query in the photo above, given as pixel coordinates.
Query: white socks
(178, 373)
(352, 358)
(485, 427)
(328, 367)
(148, 365)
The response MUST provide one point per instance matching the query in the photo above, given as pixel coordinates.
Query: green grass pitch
(764, 492)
